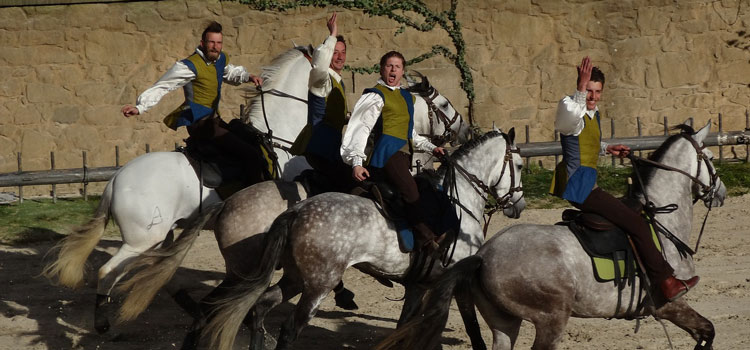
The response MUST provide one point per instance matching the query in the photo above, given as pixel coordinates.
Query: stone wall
(67, 70)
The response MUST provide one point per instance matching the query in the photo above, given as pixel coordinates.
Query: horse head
(709, 186)
(496, 156)
(513, 202)
(456, 131)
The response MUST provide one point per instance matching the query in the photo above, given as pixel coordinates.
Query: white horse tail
(74, 249)
(230, 309)
(423, 332)
(157, 265)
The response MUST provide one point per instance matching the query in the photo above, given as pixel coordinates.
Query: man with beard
(201, 76)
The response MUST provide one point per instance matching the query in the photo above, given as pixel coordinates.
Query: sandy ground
(36, 315)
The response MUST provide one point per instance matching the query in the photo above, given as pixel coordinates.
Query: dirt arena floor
(37, 315)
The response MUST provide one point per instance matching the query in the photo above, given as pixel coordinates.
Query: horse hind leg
(505, 327)
(109, 274)
(304, 312)
(288, 287)
(685, 317)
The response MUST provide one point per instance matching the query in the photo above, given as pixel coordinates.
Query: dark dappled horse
(541, 274)
(316, 240)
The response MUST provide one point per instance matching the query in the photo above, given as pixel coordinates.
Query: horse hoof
(101, 322)
(101, 325)
(345, 300)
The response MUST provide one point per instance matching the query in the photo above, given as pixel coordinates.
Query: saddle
(219, 170)
(611, 254)
(440, 214)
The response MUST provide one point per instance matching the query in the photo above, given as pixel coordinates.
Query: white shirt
(364, 116)
(320, 83)
(178, 76)
(570, 113)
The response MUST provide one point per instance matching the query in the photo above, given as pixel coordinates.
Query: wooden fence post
(117, 156)
(52, 167)
(666, 126)
(556, 156)
(85, 179)
(148, 148)
(640, 131)
(612, 132)
(747, 127)
(721, 148)
(528, 159)
(20, 188)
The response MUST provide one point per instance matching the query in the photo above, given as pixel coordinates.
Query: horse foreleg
(685, 317)
(109, 274)
(412, 302)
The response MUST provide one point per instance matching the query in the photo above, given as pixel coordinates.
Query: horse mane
(474, 143)
(273, 74)
(647, 171)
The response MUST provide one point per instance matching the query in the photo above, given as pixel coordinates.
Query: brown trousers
(604, 204)
(396, 171)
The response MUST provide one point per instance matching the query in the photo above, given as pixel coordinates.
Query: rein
(481, 188)
(708, 193)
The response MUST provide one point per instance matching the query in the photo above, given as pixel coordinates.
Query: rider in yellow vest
(327, 111)
(575, 177)
(201, 76)
(388, 111)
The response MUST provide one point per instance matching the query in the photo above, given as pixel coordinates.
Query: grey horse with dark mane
(541, 274)
(316, 240)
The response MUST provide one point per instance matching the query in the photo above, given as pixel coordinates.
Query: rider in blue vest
(201, 76)
(388, 112)
(575, 177)
(320, 140)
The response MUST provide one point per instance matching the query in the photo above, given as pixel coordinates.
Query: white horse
(324, 235)
(254, 208)
(157, 192)
(541, 273)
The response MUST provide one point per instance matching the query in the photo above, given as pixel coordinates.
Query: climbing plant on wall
(402, 12)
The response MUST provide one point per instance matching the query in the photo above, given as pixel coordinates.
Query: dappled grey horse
(254, 208)
(318, 239)
(541, 274)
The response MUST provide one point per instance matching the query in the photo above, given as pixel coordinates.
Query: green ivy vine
(395, 10)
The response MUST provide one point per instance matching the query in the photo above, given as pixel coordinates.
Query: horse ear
(688, 121)
(702, 133)
(512, 135)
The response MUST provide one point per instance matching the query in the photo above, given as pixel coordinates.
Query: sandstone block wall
(67, 70)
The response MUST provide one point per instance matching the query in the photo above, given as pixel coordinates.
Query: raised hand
(584, 73)
(332, 26)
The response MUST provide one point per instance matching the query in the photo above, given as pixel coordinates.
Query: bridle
(707, 192)
(448, 134)
(504, 202)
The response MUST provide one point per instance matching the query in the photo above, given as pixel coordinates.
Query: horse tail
(231, 307)
(73, 250)
(157, 266)
(423, 332)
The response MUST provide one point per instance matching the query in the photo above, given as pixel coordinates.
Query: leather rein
(707, 195)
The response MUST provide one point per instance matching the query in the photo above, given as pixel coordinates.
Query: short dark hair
(390, 54)
(596, 75)
(213, 27)
(340, 39)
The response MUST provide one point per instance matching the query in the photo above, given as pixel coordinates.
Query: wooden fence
(85, 174)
